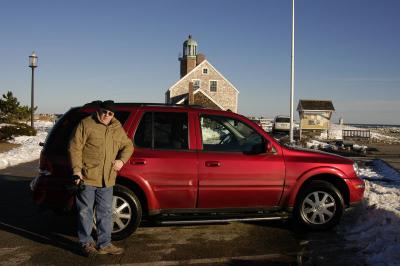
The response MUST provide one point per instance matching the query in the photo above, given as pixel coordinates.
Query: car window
(58, 139)
(122, 116)
(226, 134)
(163, 130)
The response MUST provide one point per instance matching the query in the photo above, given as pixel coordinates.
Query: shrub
(20, 129)
(11, 111)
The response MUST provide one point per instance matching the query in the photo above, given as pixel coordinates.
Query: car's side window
(144, 133)
(163, 130)
(226, 134)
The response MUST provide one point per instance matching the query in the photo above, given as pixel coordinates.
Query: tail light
(45, 167)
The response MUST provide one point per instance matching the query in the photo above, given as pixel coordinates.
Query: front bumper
(356, 190)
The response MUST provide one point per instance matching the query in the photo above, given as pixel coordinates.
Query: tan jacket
(94, 146)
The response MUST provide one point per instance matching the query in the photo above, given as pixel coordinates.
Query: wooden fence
(356, 134)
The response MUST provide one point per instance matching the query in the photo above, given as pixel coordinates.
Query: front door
(234, 169)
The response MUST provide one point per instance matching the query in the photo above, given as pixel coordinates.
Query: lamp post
(32, 64)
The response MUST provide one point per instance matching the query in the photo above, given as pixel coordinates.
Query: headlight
(356, 169)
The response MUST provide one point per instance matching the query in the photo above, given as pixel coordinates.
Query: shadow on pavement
(19, 215)
(341, 246)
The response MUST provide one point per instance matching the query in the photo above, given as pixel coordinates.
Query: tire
(127, 213)
(319, 206)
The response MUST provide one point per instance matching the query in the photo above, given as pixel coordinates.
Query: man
(98, 149)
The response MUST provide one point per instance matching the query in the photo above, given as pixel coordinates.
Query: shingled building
(200, 82)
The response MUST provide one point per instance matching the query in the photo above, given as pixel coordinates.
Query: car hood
(316, 155)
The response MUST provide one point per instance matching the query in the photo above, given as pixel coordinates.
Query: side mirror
(269, 148)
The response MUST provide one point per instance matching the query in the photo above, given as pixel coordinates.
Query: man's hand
(78, 180)
(117, 165)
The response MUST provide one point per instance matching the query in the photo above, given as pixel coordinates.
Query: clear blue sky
(347, 51)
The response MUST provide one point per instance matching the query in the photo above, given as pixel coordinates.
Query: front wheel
(319, 206)
(126, 212)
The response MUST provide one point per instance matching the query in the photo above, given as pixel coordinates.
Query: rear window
(58, 139)
(282, 120)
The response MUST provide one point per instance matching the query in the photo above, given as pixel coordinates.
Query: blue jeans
(101, 199)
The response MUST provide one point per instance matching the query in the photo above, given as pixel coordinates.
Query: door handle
(213, 164)
(138, 161)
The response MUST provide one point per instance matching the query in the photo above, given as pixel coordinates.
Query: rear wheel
(319, 206)
(127, 212)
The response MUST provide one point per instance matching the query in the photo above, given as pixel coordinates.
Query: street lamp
(33, 59)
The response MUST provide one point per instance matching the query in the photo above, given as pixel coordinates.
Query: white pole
(292, 80)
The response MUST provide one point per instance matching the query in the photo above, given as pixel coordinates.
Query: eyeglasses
(109, 113)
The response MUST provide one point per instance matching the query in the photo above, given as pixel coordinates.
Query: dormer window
(205, 71)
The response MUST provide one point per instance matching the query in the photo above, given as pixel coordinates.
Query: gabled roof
(181, 101)
(315, 105)
(199, 67)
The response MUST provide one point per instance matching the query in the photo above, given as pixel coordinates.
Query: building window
(196, 84)
(213, 85)
(205, 71)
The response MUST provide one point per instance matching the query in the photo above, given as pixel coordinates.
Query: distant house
(201, 83)
(315, 116)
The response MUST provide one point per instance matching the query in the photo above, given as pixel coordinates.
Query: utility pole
(292, 81)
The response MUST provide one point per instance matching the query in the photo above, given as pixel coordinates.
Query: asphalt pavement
(29, 236)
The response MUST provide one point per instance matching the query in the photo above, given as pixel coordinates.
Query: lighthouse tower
(188, 59)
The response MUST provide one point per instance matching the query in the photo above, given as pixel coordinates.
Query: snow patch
(29, 149)
(376, 230)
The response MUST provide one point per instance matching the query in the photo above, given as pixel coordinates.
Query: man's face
(105, 116)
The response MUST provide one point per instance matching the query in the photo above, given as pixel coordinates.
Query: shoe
(111, 250)
(89, 250)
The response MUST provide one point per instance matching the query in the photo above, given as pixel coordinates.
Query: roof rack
(95, 103)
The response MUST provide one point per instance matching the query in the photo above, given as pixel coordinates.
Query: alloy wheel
(318, 207)
(122, 214)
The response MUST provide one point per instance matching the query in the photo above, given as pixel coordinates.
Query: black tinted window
(144, 133)
(121, 116)
(282, 120)
(161, 130)
(58, 139)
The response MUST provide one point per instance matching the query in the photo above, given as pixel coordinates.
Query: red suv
(193, 165)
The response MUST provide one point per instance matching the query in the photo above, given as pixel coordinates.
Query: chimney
(190, 94)
(200, 58)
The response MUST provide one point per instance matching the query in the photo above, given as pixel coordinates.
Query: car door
(164, 158)
(234, 169)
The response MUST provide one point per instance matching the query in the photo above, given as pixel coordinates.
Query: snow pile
(29, 149)
(210, 136)
(361, 148)
(376, 232)
(314, 144)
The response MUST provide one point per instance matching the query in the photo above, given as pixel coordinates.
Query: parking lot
(31, 237)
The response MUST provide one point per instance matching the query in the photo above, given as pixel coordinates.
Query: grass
(6, 146)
